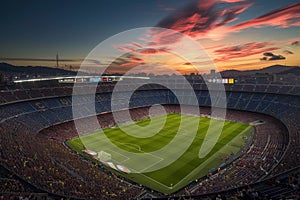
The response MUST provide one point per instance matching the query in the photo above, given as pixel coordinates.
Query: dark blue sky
(41, 28)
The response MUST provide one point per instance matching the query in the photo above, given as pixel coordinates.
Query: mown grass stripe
(178, 171)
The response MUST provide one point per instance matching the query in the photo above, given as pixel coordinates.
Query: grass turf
(187, 167)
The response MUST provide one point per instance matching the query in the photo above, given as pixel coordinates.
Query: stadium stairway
(273, 191)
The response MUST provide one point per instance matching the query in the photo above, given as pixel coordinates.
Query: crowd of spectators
(49, 165)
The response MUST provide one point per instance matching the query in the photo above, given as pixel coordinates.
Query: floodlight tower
(57, 61)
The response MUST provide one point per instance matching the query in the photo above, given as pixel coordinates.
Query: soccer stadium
(40, 152)
(133, 100)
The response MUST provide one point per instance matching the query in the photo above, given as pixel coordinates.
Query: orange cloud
(132, 61)
(136, 59)
(243, 50)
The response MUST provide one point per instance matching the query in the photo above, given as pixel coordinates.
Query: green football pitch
(170, 173)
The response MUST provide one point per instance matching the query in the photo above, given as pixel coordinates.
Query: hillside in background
(33, 70)
(274, 69)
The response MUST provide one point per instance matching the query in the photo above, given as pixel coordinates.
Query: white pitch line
(161, 159)
(209, 159)
(127, 158)
(157, 182)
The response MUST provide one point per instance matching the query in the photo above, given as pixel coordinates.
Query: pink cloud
(152, 51)
(204, 19)
(136, 59)
(284, 17)
(141, 49)
(232, 1)
(243, 50)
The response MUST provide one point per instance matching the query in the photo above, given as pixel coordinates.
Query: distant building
(2, 78)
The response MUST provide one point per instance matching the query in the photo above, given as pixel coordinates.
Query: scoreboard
(223, 80)
(90, 79)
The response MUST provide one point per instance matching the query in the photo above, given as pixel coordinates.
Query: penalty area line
(160, 159)
(159, 183)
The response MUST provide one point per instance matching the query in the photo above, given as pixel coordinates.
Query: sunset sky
(236, 34)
